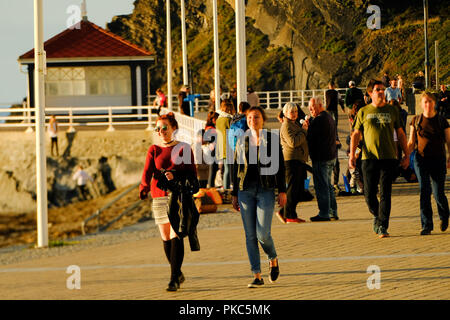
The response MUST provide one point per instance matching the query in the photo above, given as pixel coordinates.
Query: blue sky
(17, 37)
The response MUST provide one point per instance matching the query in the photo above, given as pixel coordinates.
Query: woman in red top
(164, 161)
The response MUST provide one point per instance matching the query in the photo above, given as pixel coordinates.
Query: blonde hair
(428, 95)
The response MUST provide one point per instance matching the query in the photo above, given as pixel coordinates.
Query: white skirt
(160, 208)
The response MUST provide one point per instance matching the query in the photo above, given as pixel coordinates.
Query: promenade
(318, 260)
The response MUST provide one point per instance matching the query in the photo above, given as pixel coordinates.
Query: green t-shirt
(377, 125)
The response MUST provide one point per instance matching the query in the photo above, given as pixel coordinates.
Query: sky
(17, 34)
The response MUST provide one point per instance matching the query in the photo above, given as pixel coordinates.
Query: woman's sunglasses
(163, 128)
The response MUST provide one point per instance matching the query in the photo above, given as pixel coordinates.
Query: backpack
(238, 124)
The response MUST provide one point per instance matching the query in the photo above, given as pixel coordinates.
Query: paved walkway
(321, 260)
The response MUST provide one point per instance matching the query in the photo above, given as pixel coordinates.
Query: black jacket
(183, 214)
(241, 164)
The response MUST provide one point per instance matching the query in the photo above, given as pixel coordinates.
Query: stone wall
(113, 159)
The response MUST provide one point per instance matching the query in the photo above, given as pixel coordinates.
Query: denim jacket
(270, 163)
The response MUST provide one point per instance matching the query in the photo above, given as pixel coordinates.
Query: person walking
(429, 132)
(295, 154)
(184, 105)
(82, 177)
(211, 136)
(222, 125)
(393, 93)
(53, 133)
(167, 163)
(252, 97)
(323, 152)
(377, 123)
(254, 183)
(160, 100)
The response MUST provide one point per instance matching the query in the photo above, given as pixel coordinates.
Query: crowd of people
(261, 169)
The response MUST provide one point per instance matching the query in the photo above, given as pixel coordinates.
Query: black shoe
(274, 272)
(173, 286)
(256, 283)
(335, 218)
(444, 225)
(382, 232)
(425, 232)
(181, 278)
(319, 218)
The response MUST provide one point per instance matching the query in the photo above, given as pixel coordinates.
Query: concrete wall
(113, 159)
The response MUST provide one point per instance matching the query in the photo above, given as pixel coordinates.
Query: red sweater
(161, 158)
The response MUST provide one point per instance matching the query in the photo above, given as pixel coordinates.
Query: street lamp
(169, 56)
(427, 61)
(39, 89)
(241, 54)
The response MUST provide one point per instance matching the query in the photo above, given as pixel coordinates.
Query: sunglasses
(163, 128)
(379, 89)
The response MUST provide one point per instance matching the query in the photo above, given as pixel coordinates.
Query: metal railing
(108, 205)
(112, 116)
(268, 99)
(72, 117)
(188, 127)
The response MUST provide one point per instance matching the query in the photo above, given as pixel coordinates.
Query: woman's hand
(235, 202)
(143, 194)
(282, 199)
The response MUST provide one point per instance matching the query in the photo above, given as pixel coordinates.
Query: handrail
(125, 212)
(109, 204)
(87, 116)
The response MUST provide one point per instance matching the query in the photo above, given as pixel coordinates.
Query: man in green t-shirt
(378, 122)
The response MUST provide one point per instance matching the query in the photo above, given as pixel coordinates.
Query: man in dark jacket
(322, 151)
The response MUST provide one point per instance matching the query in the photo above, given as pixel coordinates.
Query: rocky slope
(294, 43)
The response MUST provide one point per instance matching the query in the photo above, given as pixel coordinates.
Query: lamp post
(184, 46)
(427, 60)
(216, 58)
(169, 56)
(41, 167)
(241, 55)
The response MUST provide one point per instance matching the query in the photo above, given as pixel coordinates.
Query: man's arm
(354, 142)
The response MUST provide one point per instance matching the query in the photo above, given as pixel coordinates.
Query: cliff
(293, 43)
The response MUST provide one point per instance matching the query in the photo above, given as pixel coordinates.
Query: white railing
(72, 117)
(267, 99)
(112, 116)
(188, 127)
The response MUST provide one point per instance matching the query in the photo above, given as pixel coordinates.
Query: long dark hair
(210, 117)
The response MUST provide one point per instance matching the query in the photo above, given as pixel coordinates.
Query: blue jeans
(257, 205)
(326, 199)
(434, 168)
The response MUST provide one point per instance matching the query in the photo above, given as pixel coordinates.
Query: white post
(216, 58)
(268, 99)
(71, 129)
(303, 98)
(169, 57)
(139, 90)
(41, 167)
(184, 46)
(241, 55)
(110, 127)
